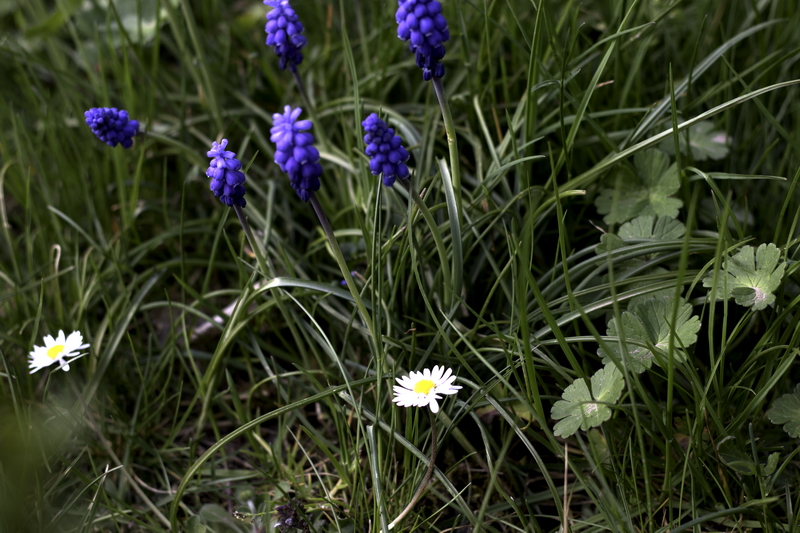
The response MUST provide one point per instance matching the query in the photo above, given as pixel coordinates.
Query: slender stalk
(452, 142)
(437, 238)
(427, 477)
(266, 269)
(254, 244)
(301, 87)
(337, 253)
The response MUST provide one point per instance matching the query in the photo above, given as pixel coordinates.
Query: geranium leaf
(645, 227)
(650, 227)
(704, 142)
(750, 277)
(786, 410)
(647, 192)
(646, 328)
(608, 243)
(582, 409)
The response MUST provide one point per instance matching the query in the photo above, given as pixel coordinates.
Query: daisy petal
(434, 406)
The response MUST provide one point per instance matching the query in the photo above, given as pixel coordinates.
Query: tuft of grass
(214, 391)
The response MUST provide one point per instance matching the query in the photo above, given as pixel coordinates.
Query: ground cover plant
(329, 266)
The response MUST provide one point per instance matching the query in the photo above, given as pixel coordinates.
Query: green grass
(174, 421)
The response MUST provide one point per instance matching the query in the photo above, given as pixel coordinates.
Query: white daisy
(419, 389)
(57, 349)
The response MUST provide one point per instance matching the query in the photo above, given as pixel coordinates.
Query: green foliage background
(174, 421)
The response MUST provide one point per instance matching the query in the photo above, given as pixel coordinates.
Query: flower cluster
(295, 152)
(419, 389)
(227, 180)
(56, 350)
(285, 33)
(421, 23)
(112, 126)
(388, 156)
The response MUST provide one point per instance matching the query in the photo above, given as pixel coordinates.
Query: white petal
(434, 406)
(73, 341)
(406, 382)
(399, 389)
(448, 376)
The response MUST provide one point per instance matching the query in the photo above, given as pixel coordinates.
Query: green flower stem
(437, 238)
(254, 244)
(337, 253)
(302, 88)
(452, 142)
(427, 477)
(263, 265)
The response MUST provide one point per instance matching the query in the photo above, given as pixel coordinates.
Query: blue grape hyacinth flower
(386, 151)
(112, 126)
(422, 25)
(285, 34)
(227, 179)
(295, 152)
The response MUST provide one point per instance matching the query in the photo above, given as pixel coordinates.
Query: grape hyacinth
(227, 179)
(112, 126)
(285, 33)
(388, 156)
(421, 23)
(295, 153)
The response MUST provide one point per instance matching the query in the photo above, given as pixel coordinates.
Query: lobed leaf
(646, 328)
(786, 411)
(704, 142)
(583, 409)
(651, 227)
(750, 277)
(646, 192)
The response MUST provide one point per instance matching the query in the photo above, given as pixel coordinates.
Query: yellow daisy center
(424, 386)
(55, 351)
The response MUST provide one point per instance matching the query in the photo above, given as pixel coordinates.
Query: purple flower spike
(295, 152)
(421, 23)
(112, 126)
(387, 155)
(227, 179)
(285, 34)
